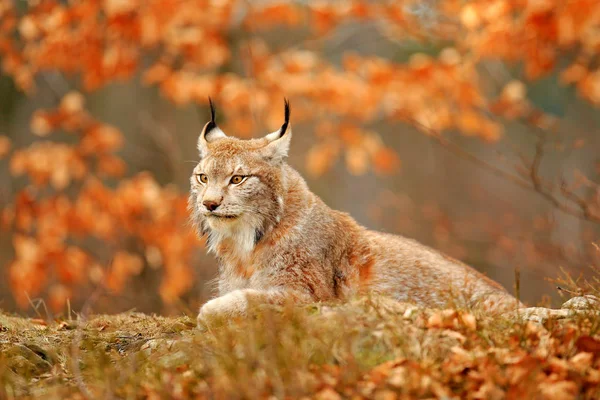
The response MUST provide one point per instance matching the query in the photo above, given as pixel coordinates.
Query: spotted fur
(275, 239)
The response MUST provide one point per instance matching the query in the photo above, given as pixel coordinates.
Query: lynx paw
(225, 307)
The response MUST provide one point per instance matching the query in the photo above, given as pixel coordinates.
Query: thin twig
(163, 138)
(456, 149)
(574, 197)
(536, 184)
(77, 342)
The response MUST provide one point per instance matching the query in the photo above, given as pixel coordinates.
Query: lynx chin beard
(244, 229)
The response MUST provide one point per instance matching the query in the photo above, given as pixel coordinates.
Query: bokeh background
(470, 126)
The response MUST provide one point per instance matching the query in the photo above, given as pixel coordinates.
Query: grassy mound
(370, 348)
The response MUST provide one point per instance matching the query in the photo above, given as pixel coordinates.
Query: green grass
(369, 348)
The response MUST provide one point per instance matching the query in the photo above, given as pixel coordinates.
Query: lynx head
(237, 187)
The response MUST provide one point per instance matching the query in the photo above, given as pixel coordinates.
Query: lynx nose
(211, 205)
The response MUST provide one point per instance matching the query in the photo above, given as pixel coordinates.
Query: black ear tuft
(212, 124)
(287, 117)
(212, 109)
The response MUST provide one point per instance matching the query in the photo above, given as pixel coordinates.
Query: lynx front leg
(238, 303)
(227, 306)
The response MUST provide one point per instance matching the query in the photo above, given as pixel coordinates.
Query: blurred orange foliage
(184, 47)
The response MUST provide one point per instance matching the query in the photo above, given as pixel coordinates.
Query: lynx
(276, 240)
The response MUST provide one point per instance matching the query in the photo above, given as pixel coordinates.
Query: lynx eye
(237, 179)
(202, 178)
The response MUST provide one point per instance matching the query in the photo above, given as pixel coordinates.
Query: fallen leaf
(588, 344)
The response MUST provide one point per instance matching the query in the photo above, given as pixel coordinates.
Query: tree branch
(535, 183)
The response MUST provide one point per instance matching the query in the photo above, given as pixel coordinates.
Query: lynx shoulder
(275, 239)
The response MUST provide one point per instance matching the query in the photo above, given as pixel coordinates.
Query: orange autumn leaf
(588, 344)
(267, 16)
(386, 161)
(58, 295)
(357, 160)
(178, 280)
(123, 266)
(40, 125)
(111, 166)
(321, 157)
(5, 145)
(469, 123)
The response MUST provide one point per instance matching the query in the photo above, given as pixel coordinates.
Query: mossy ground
(369, 348)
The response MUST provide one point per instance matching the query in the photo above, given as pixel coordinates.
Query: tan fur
(282, 241)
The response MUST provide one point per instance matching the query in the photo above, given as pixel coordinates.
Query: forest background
(470, 126)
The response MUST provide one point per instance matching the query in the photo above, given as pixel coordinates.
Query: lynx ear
(279, 141)
(209, 133)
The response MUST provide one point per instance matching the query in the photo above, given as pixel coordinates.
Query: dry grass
(370, 348)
